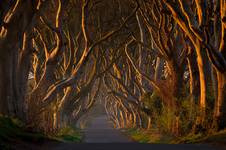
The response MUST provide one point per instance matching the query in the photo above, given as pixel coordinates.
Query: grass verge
(153, 136)
(216, 139)
(12, 131)
(69, 134)
(148, 136)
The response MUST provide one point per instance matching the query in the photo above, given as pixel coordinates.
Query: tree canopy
(154, 64)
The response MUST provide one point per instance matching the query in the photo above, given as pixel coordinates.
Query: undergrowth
(153, 136)
(13, 131)
(148, 136)
(70, 134)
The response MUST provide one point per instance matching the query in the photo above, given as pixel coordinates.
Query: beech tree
(155, 64)
(205, 33)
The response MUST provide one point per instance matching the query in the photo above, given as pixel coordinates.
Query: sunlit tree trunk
(202, 101)
(158, 68)
(220, 104)
(193, 84)
(183, 19)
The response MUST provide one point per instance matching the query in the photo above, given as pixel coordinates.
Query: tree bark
(220, 104)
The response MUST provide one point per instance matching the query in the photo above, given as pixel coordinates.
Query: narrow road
(100, 130)
(100, 135)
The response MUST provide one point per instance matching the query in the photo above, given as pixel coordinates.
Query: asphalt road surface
(100, 135)
(101, 130)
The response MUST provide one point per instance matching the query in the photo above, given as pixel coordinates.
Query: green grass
(213, 138)
(13, 131)
(138, 136)
(69, 134)
(148, 136)
(153, 136)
